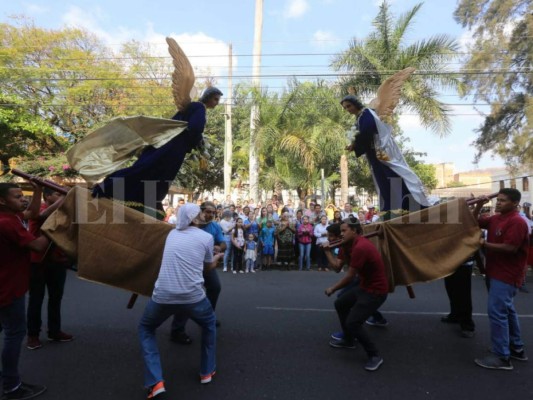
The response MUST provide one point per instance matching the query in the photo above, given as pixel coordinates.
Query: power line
(278, 76)
(225, 55)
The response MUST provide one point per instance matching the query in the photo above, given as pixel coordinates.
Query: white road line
(384, 312)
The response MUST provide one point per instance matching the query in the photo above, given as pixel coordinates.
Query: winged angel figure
(398, 186)
(162, 143)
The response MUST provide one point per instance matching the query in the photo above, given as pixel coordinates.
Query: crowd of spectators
(284, 235)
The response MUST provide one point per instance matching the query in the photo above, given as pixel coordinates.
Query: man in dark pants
(459, 289)
(211, 279)
(361, 301)
(48, 272)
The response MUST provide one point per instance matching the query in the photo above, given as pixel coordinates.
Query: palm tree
(298, 137)
(383, 53)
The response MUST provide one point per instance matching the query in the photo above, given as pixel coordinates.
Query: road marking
(384, 312)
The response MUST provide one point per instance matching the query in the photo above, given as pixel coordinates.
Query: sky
(300, 37)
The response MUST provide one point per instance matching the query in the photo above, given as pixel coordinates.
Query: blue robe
(155, 169)
(393, 193)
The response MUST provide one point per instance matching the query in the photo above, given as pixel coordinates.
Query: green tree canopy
(501, 55)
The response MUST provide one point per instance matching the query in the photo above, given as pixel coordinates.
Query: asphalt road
(273, 344)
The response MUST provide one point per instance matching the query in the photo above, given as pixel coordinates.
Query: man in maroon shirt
(15, 246)
(507, 249)
(48, 273)
(359, 302)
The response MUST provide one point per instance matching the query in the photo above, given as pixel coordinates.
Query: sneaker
(225, 269)
(492, 361)
(374, 322)
(180, 337)
(519, 355)
(241, 272)
(60, 337)
(337, 335)
(342, 344)
(33, 343)
(234, 272)
(253, 271)
(373, 363)
(207, 378)
(156, 390)
(25, 391)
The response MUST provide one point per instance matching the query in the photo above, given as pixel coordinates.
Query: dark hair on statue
(4, 188)
(354, 100)
(353, 223)
(513, 194)
(210, 92)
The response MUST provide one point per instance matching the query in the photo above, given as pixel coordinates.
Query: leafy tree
(23, 134)
(502, 54)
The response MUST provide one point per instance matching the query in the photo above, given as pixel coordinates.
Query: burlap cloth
(121, 247)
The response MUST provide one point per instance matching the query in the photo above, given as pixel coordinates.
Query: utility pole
(344, 178)
(323, 188)
(228, 133)
(253, 174)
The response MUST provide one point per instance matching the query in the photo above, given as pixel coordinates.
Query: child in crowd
(237, 240)
(267, 243)
(250, 253)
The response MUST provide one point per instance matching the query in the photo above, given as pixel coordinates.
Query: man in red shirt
(507, 249)
(15, 246)
(48, 272)
(359, 302)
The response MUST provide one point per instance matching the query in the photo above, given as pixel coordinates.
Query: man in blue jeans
(15, 246)
(211, 279)
(179, 291)
(507, 249)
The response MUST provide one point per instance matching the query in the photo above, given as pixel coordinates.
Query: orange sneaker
(156, 390)
(207, 378)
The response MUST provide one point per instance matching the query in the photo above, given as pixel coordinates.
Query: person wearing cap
(179, 290)
(397, 185)
(145, 184)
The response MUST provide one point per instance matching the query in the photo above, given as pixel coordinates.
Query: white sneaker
(241, 271)
(253, 271)
(225, 269)
(234, 272)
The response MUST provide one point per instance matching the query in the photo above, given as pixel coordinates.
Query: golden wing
(182, 77)
(388, 94)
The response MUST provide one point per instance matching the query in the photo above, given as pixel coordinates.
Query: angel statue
(399, 188)
(163, 144)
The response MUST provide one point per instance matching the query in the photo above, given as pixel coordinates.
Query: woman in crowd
(237, 240)
(227, 224)
(337, 219)
(305, 237)
(285, 235)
